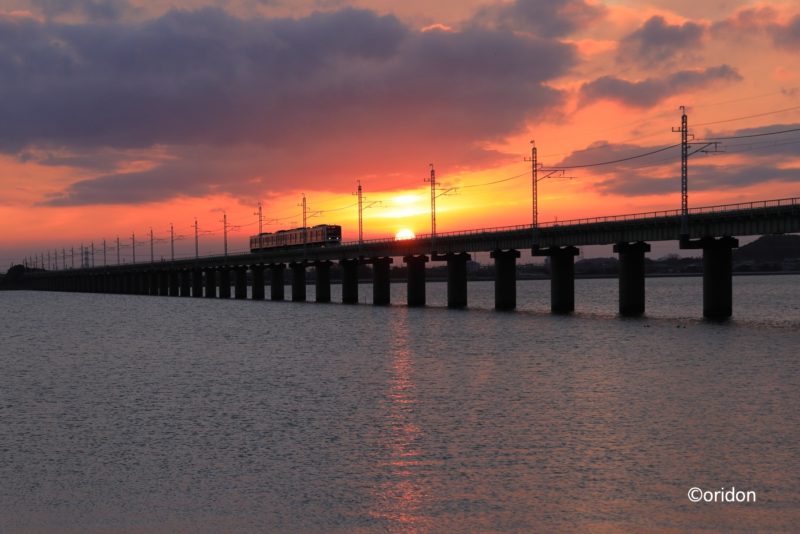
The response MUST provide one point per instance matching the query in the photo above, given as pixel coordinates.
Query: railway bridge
(711, 229)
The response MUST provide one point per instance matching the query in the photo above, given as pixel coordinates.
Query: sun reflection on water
(400, 495)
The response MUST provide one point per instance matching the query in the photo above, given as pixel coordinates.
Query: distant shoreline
(585, 276)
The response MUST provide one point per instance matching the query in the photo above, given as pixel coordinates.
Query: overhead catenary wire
(613, 161)
(744, 117)
(747, 136)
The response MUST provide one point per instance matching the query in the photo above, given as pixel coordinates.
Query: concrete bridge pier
(456, 277)
(717, 274)
(172, 277)
(381, 283)
(562, 279)
(186, 283)
(416, 279)
(505, 278)
(631, 277)
(150, 283)
(240, 283)
(153, 283)
(349, 281)
(224, 283)
(718, 278)
(163, 283)
(131, 279)
(323, 281)
(298, 281)
(258, 281)
(130, 283)
(276, 281)
(211, 283)
(197, 283)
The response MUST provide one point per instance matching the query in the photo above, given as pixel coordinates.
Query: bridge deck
(754, 218)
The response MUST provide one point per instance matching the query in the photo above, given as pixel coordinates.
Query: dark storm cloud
(701, 178)
(657, 42)
(199, 76)
(622, 153)
(547, 18)
(760, 21)
(96, 10)
(651, 91)
(646, 175)
(787, 36)
(780, 141)
(745, 21)
(350, 85)
(136, 187)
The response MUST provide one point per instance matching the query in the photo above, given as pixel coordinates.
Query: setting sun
(405, 233)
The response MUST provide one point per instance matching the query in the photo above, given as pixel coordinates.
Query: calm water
(147, 414)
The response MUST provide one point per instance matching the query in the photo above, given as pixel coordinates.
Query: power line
(620, 160)
(750, 147)
(751, 135)
(515, 177)
(748, 116)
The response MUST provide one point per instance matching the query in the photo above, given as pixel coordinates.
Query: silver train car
(321, 235)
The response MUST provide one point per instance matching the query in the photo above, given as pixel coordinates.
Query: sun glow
(406, 199)
(404, 233)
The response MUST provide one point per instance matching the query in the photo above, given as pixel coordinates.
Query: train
(321, 235)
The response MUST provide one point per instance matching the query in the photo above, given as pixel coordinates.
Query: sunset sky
(121, 116)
